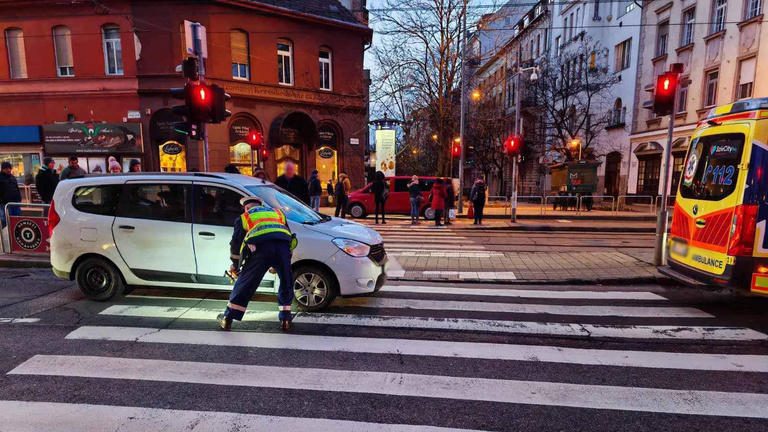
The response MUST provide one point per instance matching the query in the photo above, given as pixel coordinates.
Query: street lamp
(476, 95)
(518, 124)
(576, 142)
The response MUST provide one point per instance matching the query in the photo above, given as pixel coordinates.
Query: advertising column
(385, 151)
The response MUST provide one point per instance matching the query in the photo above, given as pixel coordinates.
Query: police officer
(261, 240)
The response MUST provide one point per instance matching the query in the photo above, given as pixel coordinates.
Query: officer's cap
(250, 200)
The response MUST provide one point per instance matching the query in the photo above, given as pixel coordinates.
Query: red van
(361, 201)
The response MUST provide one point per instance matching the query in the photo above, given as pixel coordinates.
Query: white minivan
(109, 233)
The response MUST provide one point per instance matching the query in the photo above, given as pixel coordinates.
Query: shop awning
(19, 134)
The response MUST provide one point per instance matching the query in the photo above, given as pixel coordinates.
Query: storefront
(20, 145)
(327, 154)
(93, 143)
(245, 158)
(171, 145)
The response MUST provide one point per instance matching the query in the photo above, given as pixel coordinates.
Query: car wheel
(99, 280)
(429, 214)
(357, 211)
(313, 287)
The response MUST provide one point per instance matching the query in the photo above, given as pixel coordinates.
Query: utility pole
(518, 127)
(463, 114)
(198, 47)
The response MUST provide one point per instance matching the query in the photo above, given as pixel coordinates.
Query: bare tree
(487, 128)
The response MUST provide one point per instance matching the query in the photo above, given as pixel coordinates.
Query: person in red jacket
(437, 199)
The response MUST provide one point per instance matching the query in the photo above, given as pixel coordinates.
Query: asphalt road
(448, 356)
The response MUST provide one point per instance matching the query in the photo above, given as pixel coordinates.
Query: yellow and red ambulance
(718, 233)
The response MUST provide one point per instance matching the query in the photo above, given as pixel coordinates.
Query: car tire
(429, 214)
(99, 280)
(357, 211)
(314, 287)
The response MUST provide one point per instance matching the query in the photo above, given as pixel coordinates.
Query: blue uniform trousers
(269, 253)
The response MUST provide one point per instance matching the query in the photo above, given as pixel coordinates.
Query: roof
(330, 9)
(235, 179)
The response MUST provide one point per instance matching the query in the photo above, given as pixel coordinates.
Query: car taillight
(743, 230)
(53, 219)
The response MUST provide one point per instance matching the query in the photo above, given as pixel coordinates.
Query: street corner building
(94, 79)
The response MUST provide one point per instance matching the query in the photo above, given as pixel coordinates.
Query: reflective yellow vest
(263, 220)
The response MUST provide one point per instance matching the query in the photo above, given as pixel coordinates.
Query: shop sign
(326, 153)
(69, 138)
(134, 115)
(354, 141)
(327, 135)
(28, 234)
(172, 148)
(289, 136)
(238, 130)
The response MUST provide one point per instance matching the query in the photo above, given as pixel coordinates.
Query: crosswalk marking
(19, 320)
(674, 332)
(450, 349)
(524, 293)
(448, 246)
(19, 416)
(655, 400)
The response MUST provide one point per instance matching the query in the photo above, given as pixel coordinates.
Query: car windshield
(712, 167)
(294, 210)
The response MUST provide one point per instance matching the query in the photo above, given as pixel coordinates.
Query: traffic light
(198, 102)
(219, 111)
(255, 139)
(513, 145)
(263, 154)
(664, 95)
(456, 149)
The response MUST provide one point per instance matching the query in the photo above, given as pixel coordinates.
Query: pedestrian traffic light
(456, 149)
(198, 102)
(255, 139)
(219, 111)
(263, 154)
(513, 145)
(664, 95)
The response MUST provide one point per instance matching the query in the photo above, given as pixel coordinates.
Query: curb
(639, 218)
(22, 261)
(660, 280)
(584, 229)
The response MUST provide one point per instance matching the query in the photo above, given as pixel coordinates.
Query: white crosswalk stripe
(448, 332)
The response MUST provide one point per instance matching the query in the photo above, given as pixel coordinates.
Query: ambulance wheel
(357, 211)
(314, 287)
(98, 279)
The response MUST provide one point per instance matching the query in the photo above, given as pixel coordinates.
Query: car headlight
(352, 247)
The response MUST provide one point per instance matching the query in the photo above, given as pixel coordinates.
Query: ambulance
(718, 234)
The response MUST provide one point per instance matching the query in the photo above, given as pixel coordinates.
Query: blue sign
(19, 134)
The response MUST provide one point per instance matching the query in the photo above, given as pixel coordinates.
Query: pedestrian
(261, 240)
(315, 191)
(414, 194)
(341, 193)
(294, 183)
(134, 166)
(73, 170)
(9, 191)
(437, 200)
(114, 166)
(477, 196)
(380, 190)
(46, 180)
(260, 174)
(450, 200)
(231, 169)
(329, 189)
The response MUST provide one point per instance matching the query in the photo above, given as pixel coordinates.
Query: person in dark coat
(294, 183)
(341, 193)
(450, 200)
(414, 194)
(9, 191)
(437, 200)
(73, 170)
(46, 180)
(477, 196)
(231, 169)
(380, 192)
(134, 166)
(315, 191)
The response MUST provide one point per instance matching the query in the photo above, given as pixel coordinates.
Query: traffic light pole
(198, 47)
(518, 120)
(662, 220)
(463, 114)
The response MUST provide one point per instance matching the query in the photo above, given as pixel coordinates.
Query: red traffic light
(664, 93)
(456, 149)
(255, 138)
(513, 144)
(264, 154)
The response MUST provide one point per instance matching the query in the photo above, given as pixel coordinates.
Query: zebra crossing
(413, 358)
(427, 240)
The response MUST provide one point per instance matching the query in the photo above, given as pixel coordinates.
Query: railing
(565, 202)
(503, 199)
(601, 197)
(621, 203)
(670, 201)
(527, 199)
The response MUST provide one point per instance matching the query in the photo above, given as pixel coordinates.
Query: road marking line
(416, 347)
(439, 254)
(19, 320)
(447, 247)
(709, 403)
(463, 324)
(506, 292)
(20, 416)
(490, 275)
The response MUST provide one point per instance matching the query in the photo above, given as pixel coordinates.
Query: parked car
(361, 201)
(110, 233)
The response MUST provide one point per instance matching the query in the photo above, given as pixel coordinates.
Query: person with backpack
(477, 196)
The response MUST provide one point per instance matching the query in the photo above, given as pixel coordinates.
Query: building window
(689, 27)
(113, 51)
(746, 78)
(62, 43)
(682, 96)
(238, 43)
(17, 58)
(557, 46)
(326, 70)
(753, 8)
(566, 29)
(284, 62)
(623, 58)
(648, 170)
(662, 38)
(618, 114)
(710, 88)
(538, 45)
(718, 15)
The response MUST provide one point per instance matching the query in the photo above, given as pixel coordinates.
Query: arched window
(284, 62)
(62, 44)
(17, 58)
(326, 69)
(240, 55)
(618, 113)
(113, 50)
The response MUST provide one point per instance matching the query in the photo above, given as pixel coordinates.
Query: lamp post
(576, 142)
(463, 106)
(518, 123)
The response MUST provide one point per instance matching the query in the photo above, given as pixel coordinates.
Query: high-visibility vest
(262, 220)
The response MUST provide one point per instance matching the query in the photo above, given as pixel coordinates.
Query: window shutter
(16, 55)
(747, 72)
(62, 38)
(239, 44)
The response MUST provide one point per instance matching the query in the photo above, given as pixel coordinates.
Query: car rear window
(100, 200)
(712, 168)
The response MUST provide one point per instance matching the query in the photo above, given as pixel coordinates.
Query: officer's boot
(286, 325)
(224, 322)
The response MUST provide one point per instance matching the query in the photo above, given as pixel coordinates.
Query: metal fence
(531, 199)
(624, 201)
(670, 201)
(504, 200)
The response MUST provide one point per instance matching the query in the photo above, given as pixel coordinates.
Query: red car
(361, 201)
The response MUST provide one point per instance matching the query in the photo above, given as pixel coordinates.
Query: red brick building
(294, 69)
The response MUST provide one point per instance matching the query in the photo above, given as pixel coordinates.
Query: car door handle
(127, 227)
(206, 234)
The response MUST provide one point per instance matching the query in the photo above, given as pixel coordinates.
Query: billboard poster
(385, 151)
(90, 137)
